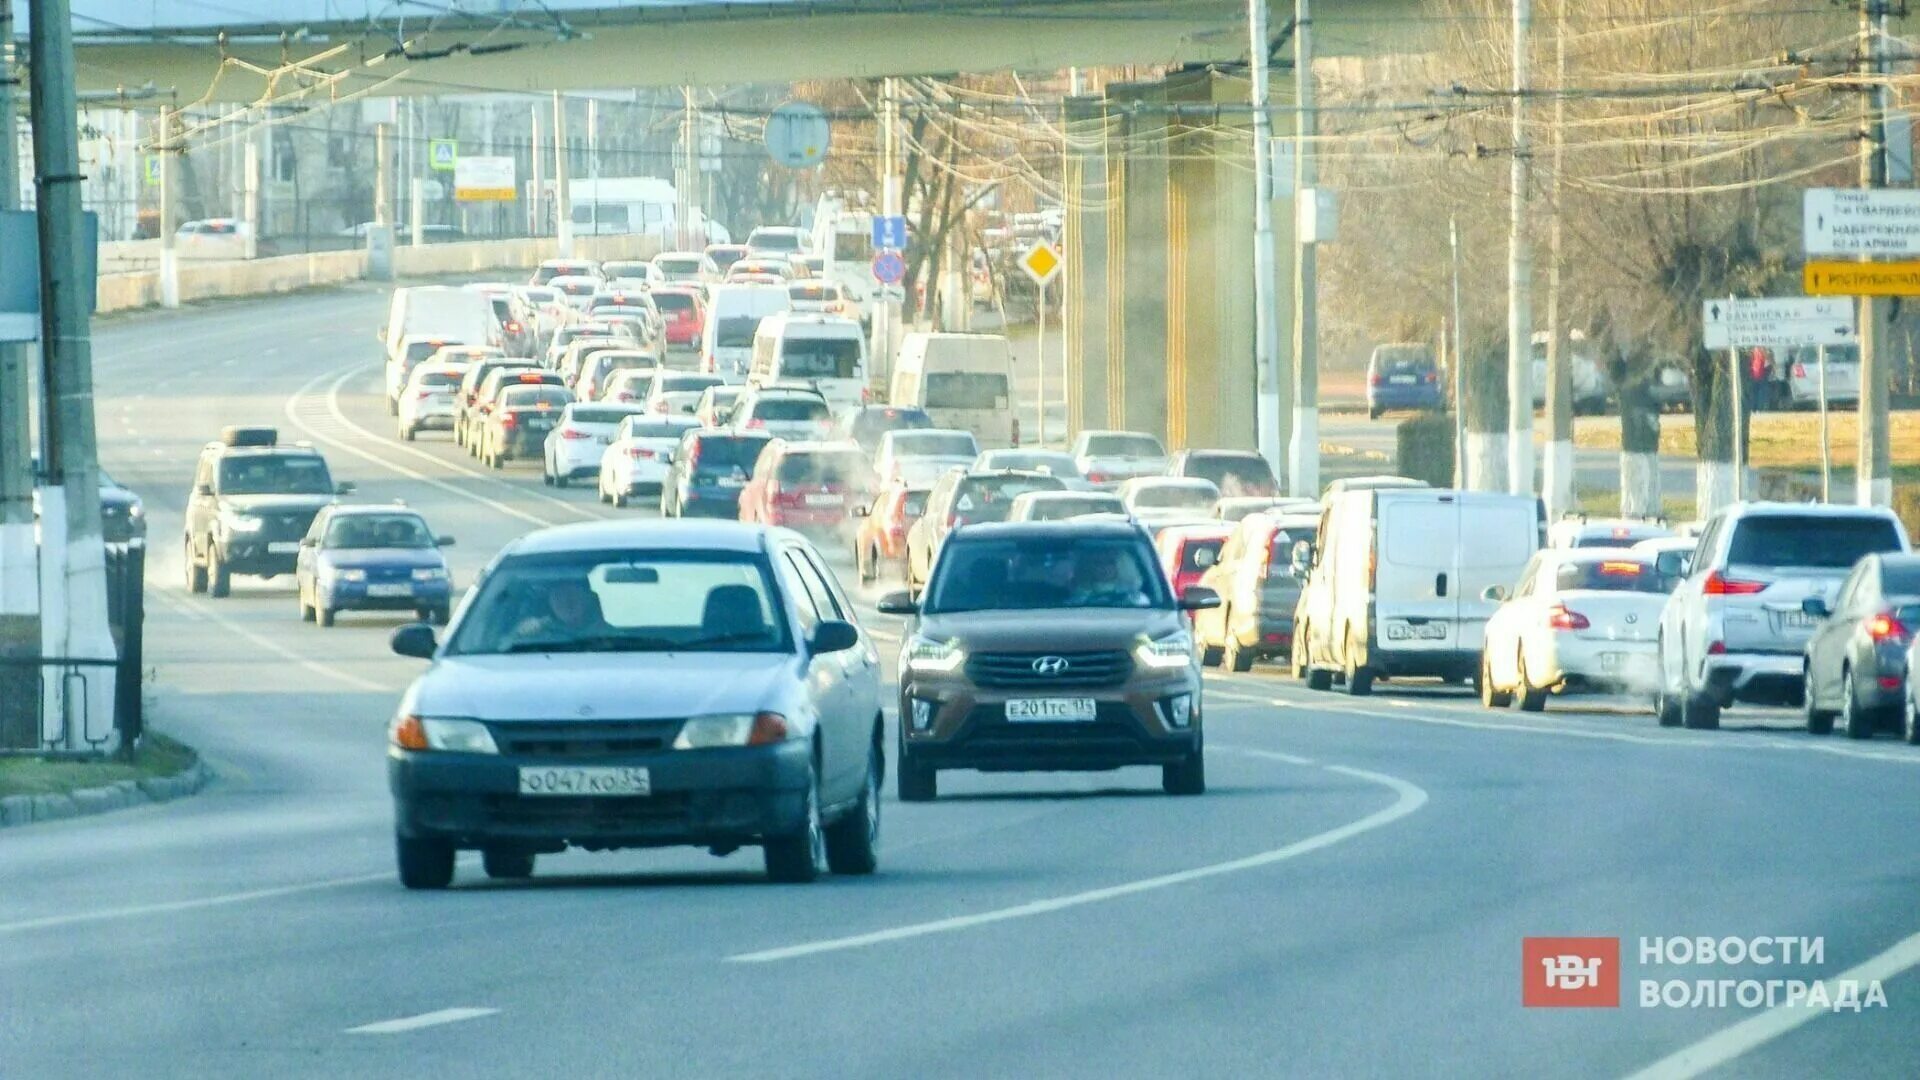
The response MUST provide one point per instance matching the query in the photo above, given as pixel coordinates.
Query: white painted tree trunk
(1640, 494)
(1557, 479)
(1303, 451)
(1487, 460)
(1714, 487)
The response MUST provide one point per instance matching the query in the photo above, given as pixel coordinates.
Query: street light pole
(1303, 452)
(19, 557)
(1269, 429)
(1873, 476)
(1520, 269)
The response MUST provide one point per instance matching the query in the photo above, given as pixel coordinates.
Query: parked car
(880, 544)
(1577, 618)
(372, 558)
(1234, 472)
(1736, 629)
(811, 486)
(1403, 376)
(1106, 458)
(576, 445)
(965, 497)
(1856, 658)
(716, 669)
(1064, 504)
(1258, 588)
(639, 457)
(1051, 646)
(709, 470)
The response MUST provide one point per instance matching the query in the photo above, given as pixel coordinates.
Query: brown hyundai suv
(1048, 646)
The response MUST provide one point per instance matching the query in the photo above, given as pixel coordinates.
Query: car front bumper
(353, 596)
(966, 727)
(709, 798)
(249, 556)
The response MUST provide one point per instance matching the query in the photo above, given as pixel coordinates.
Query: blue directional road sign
(889, 232)
(889, 268)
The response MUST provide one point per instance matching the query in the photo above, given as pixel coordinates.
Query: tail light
(1716, 648)
(422, 394)
(693, 457)
(573, 433)
(623, 396)
(1718, 584)
(513, 326)
(756, 422)
(640, 452)
(1092, 477)
(1376, 380)
(660, 406)
(1799, 371)
(1433, 377)
(866, 395)
(1562, 617)
(507, 420)
(1883, 628)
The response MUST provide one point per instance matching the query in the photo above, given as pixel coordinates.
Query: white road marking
(202, 611)
(424, 1020)
(1409, 799)
(81, 918)
(1732, 1042)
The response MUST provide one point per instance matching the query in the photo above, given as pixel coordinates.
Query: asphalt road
(1348, 899)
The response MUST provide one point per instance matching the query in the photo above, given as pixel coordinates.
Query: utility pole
(70, 507)
(1557, 471)
(19, 555)
(536, 205)
(169, 185)
(688, 170)
(885, 314)
(593, 160)
(380, 235)
(1459, 369)
(250, 194)
(1873, 478)
(1303, 456)
(562, 200)
(1520, 269)
(1270, 427)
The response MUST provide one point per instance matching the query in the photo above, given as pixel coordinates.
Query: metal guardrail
(126, 612)
(75, 702)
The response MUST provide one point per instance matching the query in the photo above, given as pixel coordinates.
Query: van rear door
(1498, 534)
(1416, 552)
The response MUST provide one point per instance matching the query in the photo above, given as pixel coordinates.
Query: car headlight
(433, 733)
(938, 657)
(339, 574)
(241, 523)
(430, 573)
(136, 511)
(733, 729)
(1167, 653)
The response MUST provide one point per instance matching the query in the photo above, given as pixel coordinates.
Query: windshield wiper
(602, 643)
(725, 639)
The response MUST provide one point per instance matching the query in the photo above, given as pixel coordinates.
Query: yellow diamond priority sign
(1041, 263)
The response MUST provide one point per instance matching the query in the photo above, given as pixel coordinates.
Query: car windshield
(1175, 497)
(1234, 474)
(349, 531)
(1031, 461)
(935, 444)
(599, 415)
(534, 397)
(869, 424)
(1811, 540)
(624, 602)
(1064, 571)
(965, 390)
(1610, 575)
(638, 428)
(420, 350)
(735, 331)
(820, 358)
(274, 474)
(914, 503)
(990, 498)
(774, 241)
(1403, 360)
(1124, 446)
(1280, 548)
(833, 468)
(790, 409)
(695, 383)
(1061, 507)
(727, 453)
(679, 266)
(436, 380)
(674, 301)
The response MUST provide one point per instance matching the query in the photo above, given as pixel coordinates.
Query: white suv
(1734, 630)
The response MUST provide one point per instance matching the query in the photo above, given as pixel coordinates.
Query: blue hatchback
(1403, 377)
(373, 558)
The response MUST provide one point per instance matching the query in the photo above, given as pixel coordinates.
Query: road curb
(16, 810)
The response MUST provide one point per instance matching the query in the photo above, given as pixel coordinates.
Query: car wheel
(1373, 413)
(1819, 721)
(666, 505)
(1912, 719)
(1857, 721)
(1699, 712)
(1297, 653)
(561, 480)
(1185, 777)
(306, 609)
(196, 572)
(423, 864)
(915, 782)
(504, 865)
(619, 500)
(1237, 659)
(1211, 655)
(1359, 679)
(1490, 695)
(1528, 697)
(853, 842)
(406, 433)
(219, 578)
(393, 407)
(797, 858)
(322, 615)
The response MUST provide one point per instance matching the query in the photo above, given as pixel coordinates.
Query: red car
(1189, 551)
(685, 315)
(881, 543)
(807, 485)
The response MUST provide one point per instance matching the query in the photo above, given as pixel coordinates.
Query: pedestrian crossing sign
(441, 154)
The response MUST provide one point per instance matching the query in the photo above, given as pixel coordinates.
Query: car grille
(286, 525)
(1017, 669)
(587, 813)
(570, 741)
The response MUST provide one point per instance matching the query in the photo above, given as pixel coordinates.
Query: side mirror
(415, 640)
(1672, 564)
(443, 541)
(203, 490)
(834, 636)
(861, 510)
(1302, 558)
(1198, 598)
(308, 541)
(345, 487)
(899, 602)
(1816, 607)
(1495, 593)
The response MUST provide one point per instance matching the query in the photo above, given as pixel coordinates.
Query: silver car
(642, 684)
(1856, 662)
(1107, 458)
(1736, 628)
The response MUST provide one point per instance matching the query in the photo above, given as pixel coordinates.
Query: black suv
(252, 501)
(1049, 646)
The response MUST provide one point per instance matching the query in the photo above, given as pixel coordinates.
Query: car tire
(1359, 680)
(916, 782)
(1666, 710)
(1185, 777)
(1492, 696)
(1911, 718)
(853, 842)
(1211, 655)
(219, 578)
(1297, 654)
(1373, 413)
(406, 433)
(1238, 660)
(1859, 722)
(864, 570)
(1819, 721)
(798, 857)
(619, 500)
(306, 609)
(1527, 697)
(505, 865)
(1699, 712)
(423, 864)
(196, 572)
(393, 407)
(322, 615)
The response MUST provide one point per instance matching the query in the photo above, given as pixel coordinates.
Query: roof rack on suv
(237, 435)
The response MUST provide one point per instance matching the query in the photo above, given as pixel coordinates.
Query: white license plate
(1613, 661)
(389, 590)
(1796, 620)
(283, 547)
(610, 780)
(604, 440)
(1077, 710)
(1433, 631)
(732, 481)
(823, 500)
(1400, 380)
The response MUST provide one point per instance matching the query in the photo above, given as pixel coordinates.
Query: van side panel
(1416, 594)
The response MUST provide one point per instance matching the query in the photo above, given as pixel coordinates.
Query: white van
(454, 315)
(1395, 583)
(826, 352)
(962, 381)
(733, 317)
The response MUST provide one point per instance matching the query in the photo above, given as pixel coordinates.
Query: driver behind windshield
(1104, 577)
(566, 610)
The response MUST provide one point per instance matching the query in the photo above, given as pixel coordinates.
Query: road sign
(1777, 322)
(889, 268)
(1851, 221)
(443, 154)
(889, 232)
(20, 271)
(1041, 262)
(797, 135)
(150, 168)
(1862, 279)
(484, 179)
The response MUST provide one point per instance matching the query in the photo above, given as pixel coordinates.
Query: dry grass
(1779, 440)
(157, 756)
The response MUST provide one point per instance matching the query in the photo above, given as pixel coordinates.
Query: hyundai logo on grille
(1050, 665)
